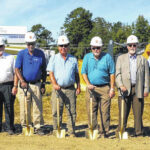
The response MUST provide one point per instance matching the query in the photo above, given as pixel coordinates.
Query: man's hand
(78, 90)
(56, 87)
(14, 90)
(90, 86)
(111, 93)
(145, 94)
(23, 84)
(42, 88)
(123, 88)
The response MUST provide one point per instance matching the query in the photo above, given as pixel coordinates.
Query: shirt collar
(68, 55)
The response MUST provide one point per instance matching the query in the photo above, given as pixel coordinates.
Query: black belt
(133, 85)
(33, 82)
(101, 85)
(7, 83)
(68, 87)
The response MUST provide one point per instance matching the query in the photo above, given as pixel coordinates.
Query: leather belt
(33, 82)
(101, 85)
(68, 87)
(133, 85)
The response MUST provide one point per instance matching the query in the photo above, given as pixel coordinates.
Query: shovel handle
(91, 108)
(91, 93)
(58, 112)
(25, 90)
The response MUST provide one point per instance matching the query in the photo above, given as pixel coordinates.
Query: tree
(78, 25)
(101, 28)
(43, 35)
(142, 29)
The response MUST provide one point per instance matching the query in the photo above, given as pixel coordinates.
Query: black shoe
(139, 135)
(10, 132)
(39, 132)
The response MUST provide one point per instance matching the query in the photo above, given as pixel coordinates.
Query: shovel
(90, 133)
(122, 134)
(28, 131)
(60, 133)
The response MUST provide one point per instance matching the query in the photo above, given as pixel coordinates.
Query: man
(8, 88)
(30, 68)
(63, 69)
(98, 72)
(132, 77)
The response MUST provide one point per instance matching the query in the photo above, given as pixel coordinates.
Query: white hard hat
(96, 41)
(30, 37)
(62, 40)
(2, 41)
(132, 39)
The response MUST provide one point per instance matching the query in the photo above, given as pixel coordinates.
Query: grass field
(49, 142)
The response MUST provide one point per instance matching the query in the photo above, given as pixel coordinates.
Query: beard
(132, 51)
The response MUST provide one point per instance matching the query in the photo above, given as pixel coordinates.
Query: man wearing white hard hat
(132, 77)
(98, 71)
(64, 74)
(8, 88)
(30, 68)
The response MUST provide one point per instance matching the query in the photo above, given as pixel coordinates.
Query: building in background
(13, 34)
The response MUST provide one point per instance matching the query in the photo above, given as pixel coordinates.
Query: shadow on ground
(80, 130)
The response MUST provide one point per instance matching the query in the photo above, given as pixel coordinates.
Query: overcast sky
(52, 13)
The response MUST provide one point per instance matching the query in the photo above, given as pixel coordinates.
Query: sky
(52, 13)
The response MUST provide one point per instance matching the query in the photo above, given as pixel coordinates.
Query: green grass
(11, 52)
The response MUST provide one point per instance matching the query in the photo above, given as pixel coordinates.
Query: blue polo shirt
(64, 70)
(31, 66)
(98, 71)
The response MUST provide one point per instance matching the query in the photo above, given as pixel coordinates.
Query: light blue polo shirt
(31, 65)
(64, 70)
(98, 71)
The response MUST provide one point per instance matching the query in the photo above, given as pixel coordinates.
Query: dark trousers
(137, 106)
(7, 99)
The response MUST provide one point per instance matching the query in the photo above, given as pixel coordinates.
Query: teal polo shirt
(98, 71)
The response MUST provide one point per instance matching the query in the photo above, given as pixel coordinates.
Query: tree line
(80, 28)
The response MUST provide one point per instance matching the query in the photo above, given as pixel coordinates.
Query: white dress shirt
(133, 68)
(7, 68)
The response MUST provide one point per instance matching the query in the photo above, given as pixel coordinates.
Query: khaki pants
(34, 99)
(101, 101)
(67, 97)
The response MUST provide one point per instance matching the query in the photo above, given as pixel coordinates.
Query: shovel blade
(28, 131)
(123, 135)
(61, 133)
(91, 134)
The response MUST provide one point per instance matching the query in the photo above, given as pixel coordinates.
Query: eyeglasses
(94, 48)
(64, 46)
(30, 44)
(130, 45)
(1, 46)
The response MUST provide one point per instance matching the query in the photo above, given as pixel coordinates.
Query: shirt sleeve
(76, 67)
(84, 65)
(111, 65)
(19, 60)
(13, 65)
(51, 63)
